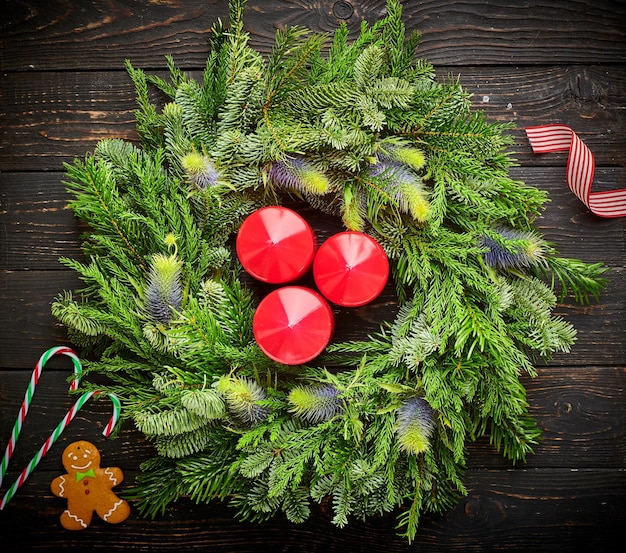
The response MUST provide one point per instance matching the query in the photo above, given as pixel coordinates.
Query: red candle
(293, 325)
(275, 245)
(351, 269)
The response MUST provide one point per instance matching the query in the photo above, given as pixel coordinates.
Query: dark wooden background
(63, 88)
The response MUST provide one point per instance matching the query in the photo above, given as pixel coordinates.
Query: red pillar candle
(275, 245)
(351, 269)
(293, 325)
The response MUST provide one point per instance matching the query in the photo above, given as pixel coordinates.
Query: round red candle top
(293, 325)
(351, 269)
(275, 245)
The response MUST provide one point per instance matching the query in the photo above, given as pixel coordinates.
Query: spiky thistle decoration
(416, 423)
(403, 186)
(200, 170)
(513, 249)
(316, 404)
(242, 399)
(164, 295)
(298, 174)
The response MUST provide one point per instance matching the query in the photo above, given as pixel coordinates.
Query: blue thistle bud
(408, 155)
(200, 170)
(298, 174)
(163, 293)
(527, 250)
(416, 422)
(242, 397)
(316, 404)
(403, 186)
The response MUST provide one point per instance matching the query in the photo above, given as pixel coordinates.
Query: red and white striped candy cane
(54, 436)
(30, 391)
(580, 168)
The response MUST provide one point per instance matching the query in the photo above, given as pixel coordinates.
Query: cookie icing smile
(83, 467)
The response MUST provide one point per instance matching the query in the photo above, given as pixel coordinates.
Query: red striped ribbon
(580, 168)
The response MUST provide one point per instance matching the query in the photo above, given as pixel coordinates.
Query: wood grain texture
(63, 88)
(52, 118)
(56, 35)
(39, 227)
(579, 410)
(552, 508)
(520, 511)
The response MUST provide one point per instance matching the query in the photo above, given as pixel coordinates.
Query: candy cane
(54, 436)
(30, 391)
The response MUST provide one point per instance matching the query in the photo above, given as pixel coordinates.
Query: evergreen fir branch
(132, 167)
(296, 505)
(241, 110)
(583, 280)
(287, 65)
(157, 485)
(98, 202)
(196, 113)
(177, 77)
(515, 437)
(400, 50)
(409, 520)
(255, 505)
(183, 444)
(215, 72)
(208, 476)
(368, 66)
(392, 92)
(206, 403)
(108, 315)
(169, 422)
(325, 101)
(551, 335)
(78, 317)
(149, 122)
(177, 138)
(257, 462)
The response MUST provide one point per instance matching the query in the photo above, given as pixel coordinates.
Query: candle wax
(275, 245)
(351, 269)
(293, 325)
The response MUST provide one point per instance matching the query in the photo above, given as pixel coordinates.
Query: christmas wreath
(362, 131)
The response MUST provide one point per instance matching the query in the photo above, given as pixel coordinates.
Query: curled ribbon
(580, 168)
(60, 427)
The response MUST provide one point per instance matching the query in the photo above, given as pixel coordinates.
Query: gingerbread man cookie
(88, 488)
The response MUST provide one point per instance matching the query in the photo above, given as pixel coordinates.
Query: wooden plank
(28, 325)
(61, 117)
(521, 511)
(50, 403)
(25, 317)
(569, 225)
(60, 35)
(39, 228)
(52, 118)
(65, 35)
(580, 411)
(63, 88)
(568, 493)
(527, 510)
